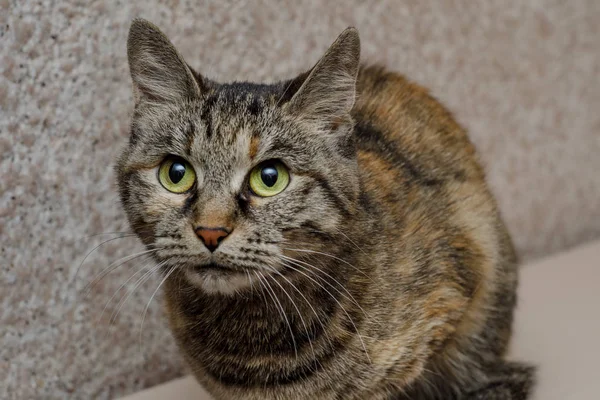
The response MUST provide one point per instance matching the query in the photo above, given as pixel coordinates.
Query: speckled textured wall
(521, 75)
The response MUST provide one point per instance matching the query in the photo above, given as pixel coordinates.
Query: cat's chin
(217, 280)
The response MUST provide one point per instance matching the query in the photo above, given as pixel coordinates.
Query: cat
(327, 237)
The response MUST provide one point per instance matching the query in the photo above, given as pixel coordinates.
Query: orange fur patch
(254, 142)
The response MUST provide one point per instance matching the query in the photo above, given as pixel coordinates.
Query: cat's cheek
(170, 199)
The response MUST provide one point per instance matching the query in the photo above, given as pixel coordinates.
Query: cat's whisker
(122, 234)
(112, 267)
(119, 233)
(307, 302)
(138, 283)
(341, 233)
(297, 309)
(277, 303)
(150, 301)
(179, 279)
(298, 264)
(337, 301)
(351, 297)
(251, 284)
(331, 256)
(143, 268)
(350, 240)
(262, 288)
(88, 254)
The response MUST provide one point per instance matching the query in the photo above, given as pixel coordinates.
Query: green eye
(269, 178)
(176, 175)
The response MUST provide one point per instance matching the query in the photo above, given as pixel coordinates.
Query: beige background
(522, 76)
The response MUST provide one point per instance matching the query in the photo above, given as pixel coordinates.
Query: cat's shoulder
(383, 93)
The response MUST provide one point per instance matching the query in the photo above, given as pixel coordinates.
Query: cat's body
(386, 273)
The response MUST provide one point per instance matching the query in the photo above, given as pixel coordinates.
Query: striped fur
(383, 271)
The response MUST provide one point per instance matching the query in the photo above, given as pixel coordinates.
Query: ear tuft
(158, 71)
(328, 93)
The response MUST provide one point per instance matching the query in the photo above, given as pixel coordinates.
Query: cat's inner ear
(328, 93)
(158, 71)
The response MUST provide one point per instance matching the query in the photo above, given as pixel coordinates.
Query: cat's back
(422, 177)
(397, 121)
(425, 191)
(416, 163)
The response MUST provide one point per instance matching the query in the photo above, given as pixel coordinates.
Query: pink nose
(212, 237)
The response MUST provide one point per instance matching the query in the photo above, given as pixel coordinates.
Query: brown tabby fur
(383, 271)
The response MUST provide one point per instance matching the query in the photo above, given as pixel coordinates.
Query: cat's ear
(327, 95)
(158, 71)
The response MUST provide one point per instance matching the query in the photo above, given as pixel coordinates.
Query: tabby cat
(327, 237)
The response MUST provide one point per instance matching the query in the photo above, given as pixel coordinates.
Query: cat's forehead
(240, 99)
(222, 133)
(226, 125)
(221, 144)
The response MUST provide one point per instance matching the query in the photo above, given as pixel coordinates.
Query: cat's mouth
(218, 268)
(218, 278)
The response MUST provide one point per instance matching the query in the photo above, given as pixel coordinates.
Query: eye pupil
(176, 172)
(268, 178)
(269, 175)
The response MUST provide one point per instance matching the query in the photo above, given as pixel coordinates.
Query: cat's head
(226, 181)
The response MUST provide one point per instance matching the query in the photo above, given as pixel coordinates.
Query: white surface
(557, 324)
(180, 389)
(557, 328)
